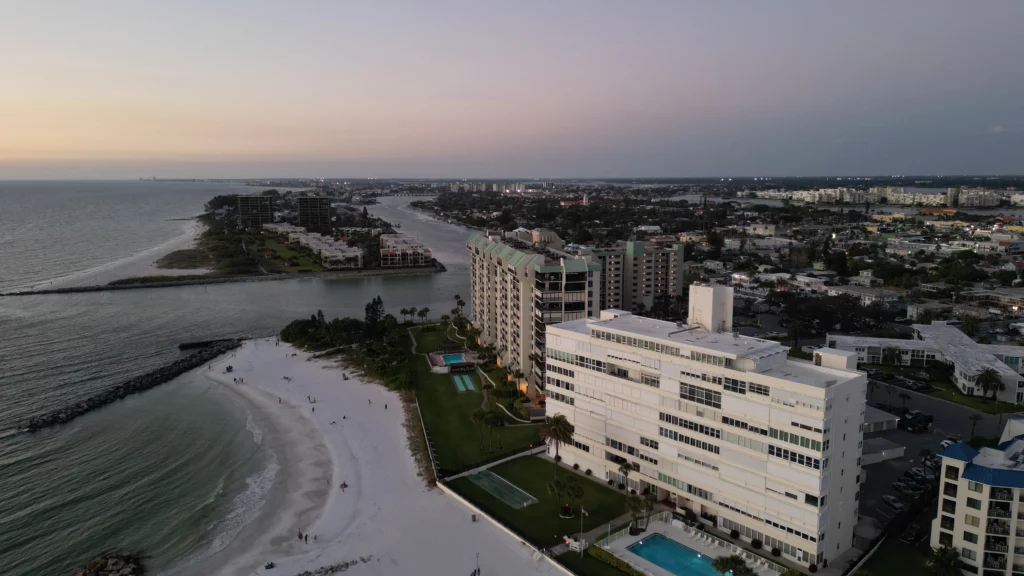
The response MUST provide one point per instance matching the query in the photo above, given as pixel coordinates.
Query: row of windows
(560, 370)
(580, 445)
(649, 380)
(551, 394)
(581, 361)
(737, 386)
(759, 389)
(790, 530)
(710, 359)
(684, 423)
(805, 427)
(560, 383)
(697, 462)
(744, 425)
(700, 395)
(621, 447)
(794, 457)
(795, 439)
(635, 342)
(673, 435)
(649, 443)
(748, 443)
(689, 488)
(769, 542)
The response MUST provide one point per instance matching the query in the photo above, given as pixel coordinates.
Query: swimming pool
(450, 359)
(672, 556)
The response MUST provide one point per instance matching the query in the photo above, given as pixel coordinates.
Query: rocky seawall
(138, 384)
(117, 564)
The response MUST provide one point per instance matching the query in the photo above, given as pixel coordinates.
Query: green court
(464, 383)
(502, 489)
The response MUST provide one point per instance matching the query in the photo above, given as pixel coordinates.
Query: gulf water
(174, 472)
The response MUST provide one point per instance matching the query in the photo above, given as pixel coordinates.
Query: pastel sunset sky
(442, 88)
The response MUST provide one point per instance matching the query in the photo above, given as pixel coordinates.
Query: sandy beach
(387, 522)
(140, 264)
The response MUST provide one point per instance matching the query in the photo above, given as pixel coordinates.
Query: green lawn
(587, 565)
(448, 418)
(281, 254)
(539, 523)
(428, 338)
(894, 558)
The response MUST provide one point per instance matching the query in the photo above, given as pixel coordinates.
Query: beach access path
(386, 522)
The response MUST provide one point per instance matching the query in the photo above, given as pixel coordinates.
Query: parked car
(893, 502)
(928, 474)
(912, 484)
(922, 375)
(903, 489)
(912, 426)
(919, 416)
(918, 477)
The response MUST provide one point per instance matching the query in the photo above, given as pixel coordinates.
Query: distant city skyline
(452, 89)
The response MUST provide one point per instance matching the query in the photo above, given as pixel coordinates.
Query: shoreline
(337, 275)
(387, 521)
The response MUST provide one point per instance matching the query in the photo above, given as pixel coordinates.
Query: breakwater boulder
(115, 564)
(203, 343)
(134, 385)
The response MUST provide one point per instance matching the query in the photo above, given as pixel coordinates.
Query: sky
(500, 89)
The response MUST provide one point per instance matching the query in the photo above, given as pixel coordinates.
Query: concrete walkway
(595, 534)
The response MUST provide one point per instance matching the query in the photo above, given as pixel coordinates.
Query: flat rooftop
(725, 344)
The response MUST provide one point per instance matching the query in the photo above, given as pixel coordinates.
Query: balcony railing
(1020, 533)
(1018, 550)
(1001, 494)
(994, 564)
(996, 548)
(998, 513)
(1000, 530)
(1018, 568)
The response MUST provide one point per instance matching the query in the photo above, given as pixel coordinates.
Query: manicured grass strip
(894, 558)
(540, 523)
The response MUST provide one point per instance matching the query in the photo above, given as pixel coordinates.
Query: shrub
(689, 515)
(589, 472)
(610, 559)
(633, 492)
(610, 481)
(622, 486)
(558, 458)
(813, 568)
(776, 552)
(576, 466)
(756, 544)
(734, 534)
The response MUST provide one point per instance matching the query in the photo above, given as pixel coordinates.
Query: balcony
(1003, 494)
(1018, 550)
(999, 529)
(999, 510)
(996, 547)
(1018, 568)
(995, 563)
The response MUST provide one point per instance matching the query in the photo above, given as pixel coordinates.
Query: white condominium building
(522, 281)
(981, 504)
(725, 425)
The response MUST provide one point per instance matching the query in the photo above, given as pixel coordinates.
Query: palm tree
(412, 312)
(635, 508)
(479, 417)
(872, 386)
(404, 312)
(423, 314)
(989, 380)
(556, 488)
(497, 421)
(573, 490)
(888, 389)
(971, 325)
(904, 397)
(625, 468)
(647, 506)
(445, 319)
(894, 354)
(556, 432)
(974, 418)
(725, 564)
(491, 420)
(945, 561)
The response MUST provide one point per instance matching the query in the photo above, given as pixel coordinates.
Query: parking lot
(950, 420)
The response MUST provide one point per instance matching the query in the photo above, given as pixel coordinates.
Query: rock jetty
(132, 386)
(116, 564)
(336, 568)
(203, 343)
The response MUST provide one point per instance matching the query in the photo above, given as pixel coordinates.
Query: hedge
(613, 560)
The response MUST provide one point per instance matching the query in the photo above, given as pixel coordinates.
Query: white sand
(386, 514)
(140, 264)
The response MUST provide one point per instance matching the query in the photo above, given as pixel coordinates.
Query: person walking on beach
(368, 401)
(385, 406)
(300, 534)
(307, 538)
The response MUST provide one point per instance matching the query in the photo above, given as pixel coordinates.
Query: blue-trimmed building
(981, 504)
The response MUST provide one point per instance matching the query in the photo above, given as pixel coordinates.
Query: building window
(947, 522)
(649, 443)
(968, 553)
(580, 446)
(759, 389)
(974, 486)
(812, 500)
(700, 395)
(952, 473)
(968, 536)
(945, 539)
(974, 503)
(972, 520)
(684, 423)
(673, 435)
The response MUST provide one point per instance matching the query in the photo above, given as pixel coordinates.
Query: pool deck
(618, 547)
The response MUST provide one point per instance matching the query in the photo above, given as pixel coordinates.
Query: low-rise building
(402, 251)
(333, 254)
(865, 294)
(866, 278)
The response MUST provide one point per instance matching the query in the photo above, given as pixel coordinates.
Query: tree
(634, 505)
(647, 506)
(491, 420)
(945, 561)
(374, 318)
(423, 314)
(971, 325)
(573, 490)
(556, 432)
(894, 354)
(974, 418)
(556, 488)
(872, 386)
(479, 418)
(404, 312)
(725, 564)
(904, 397)
(496, 420)
(989, 380)
(625, 468)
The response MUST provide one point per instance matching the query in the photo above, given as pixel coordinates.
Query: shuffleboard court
(502, 489)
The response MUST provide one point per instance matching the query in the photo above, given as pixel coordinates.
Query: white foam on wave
(245, 506)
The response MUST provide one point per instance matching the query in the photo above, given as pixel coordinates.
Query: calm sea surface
(178, 470)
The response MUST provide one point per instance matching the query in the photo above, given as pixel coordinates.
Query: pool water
(672, 556)
(450, 359)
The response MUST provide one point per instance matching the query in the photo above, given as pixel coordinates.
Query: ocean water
(174, 472)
